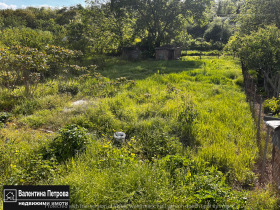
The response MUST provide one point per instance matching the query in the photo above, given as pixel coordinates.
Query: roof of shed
(167, 47)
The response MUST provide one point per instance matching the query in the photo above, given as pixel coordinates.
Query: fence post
(254, 101)
(249, 93)
(259, 122)
(245, 86)
(264, 155)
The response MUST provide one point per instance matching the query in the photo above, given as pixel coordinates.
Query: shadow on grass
(143, 69)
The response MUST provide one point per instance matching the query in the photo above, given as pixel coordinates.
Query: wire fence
(269, 144)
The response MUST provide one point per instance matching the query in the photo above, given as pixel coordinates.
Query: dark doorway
(170, 54)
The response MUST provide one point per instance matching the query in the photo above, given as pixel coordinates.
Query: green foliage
(227, 7)
(184, 126)
(59, 58)
(26, 37)
(272, 106)
(76, 36)
(157, 104)
(27, 107)
(4, 116)
(264, 198)
(154, 144)
(27, 66)
(33, 171)
(71, 140)
(258, 52)
(202, 53)
(258, 14)
(218, 31)
(8, 101)
(160, 27)
(171, 180)
(203, 47)
(21, 164)
(22, 65)
(72, 89)
(240, 81)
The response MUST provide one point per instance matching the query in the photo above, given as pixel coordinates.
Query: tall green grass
(190, 135)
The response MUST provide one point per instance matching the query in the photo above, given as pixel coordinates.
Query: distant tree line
(105, 27)
(249, 29)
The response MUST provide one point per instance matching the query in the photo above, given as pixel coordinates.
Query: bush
(71, 140)
(218, 31)
(184, 126)
(156, 144)
(72, 89)
(34, 170)
(239, 81)
(272, 106)
(26, 37)
(4, 116)
(27, 107)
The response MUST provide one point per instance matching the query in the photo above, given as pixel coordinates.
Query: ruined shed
(168, 53)
(131, 53)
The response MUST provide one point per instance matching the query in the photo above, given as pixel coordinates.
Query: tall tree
(107, 28)
(259, 13)
(260, 51)
(157, 21)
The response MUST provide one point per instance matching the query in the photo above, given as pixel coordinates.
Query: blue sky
(16, 4)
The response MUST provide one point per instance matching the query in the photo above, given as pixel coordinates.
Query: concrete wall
(168, 53)
(276, 165)
(161, 54)
(131, 54)
(177, 53)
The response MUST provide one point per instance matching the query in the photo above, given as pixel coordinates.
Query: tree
(157, 21)
(218, 31)
(260, 51)
(226, 8)
(108, 28)
(259, 13)
(22, 65)
(27, 66)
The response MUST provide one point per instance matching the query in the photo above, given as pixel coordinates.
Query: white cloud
(6, 6)
(44, 5)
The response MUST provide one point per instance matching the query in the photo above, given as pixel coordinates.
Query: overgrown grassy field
(190, 136)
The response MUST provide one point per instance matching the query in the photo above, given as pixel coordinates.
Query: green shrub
(27, 107)
(272, 105)
(33, 170)
(239, 81)
(184, 125)
(72, 139)
(71, 89)
(151, 144)
(8, 101)
(37, 119)
(4, 116)
(173, 162)
(26, 37)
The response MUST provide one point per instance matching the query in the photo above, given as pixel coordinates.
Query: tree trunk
(270, 82)
(26, 83)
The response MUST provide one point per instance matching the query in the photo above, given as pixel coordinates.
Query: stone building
(131, 53)
(168, 53)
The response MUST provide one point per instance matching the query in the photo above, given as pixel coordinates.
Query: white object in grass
(119, 137)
